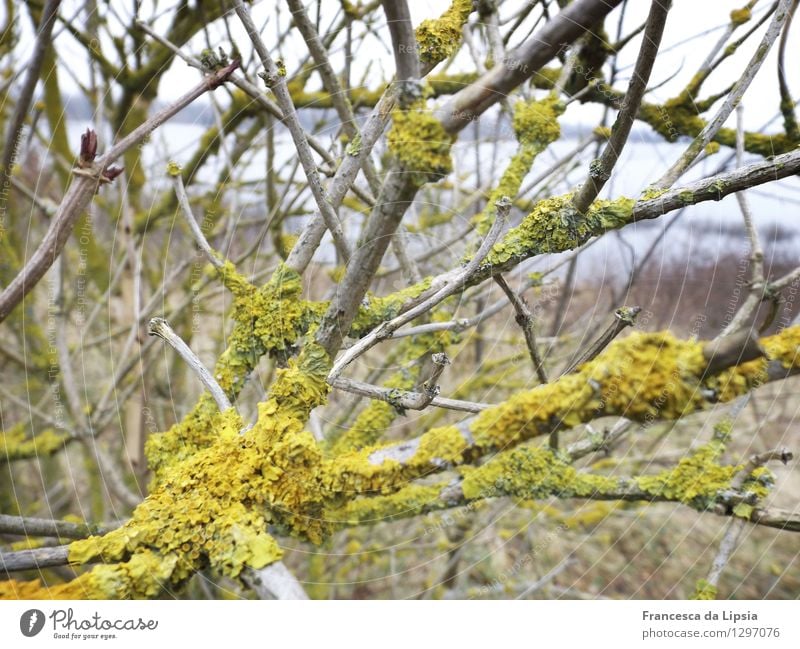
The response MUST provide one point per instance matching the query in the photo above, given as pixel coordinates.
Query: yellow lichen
(741, 16)
(704, 590)
(144, 575)
(555, 225)
(441, 37)
(16, 445)
(696, 480)
(536, 126)
(536, 122)
(407, 501)
(420, 144)
(531, 472)
(603, 132)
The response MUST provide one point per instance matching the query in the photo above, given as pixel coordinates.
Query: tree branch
(82, 190)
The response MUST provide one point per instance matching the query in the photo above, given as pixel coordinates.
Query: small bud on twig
(88, 148)
(112, 172)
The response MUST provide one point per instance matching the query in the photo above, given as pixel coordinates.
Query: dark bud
(88, 147)
(112, 172)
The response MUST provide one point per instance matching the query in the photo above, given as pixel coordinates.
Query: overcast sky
(693, 27)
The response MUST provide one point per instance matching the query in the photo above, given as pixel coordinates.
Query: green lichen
(420, 144)
(531, 472)
(536, 126)
(439, 38)
(555, 225)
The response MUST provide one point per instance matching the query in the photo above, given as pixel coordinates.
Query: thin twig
(712, 127)
(160, 327)
(386, 329)
(527, 323)
(623, 317)
(186, 209)
(755, 296)
(82, 190)
(23, 101)
(27, 526)
(600, 170)
(35, 559)
(275, 79)
(275, 581)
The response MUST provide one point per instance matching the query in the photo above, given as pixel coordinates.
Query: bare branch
(275, 581)
(35, 559)
(160, 327)
(386, 329)
(82, 190)
(600, 170)
(23, 101)
(25, 526)
(623, 317)
(404, 44)
(527, 323)
(520, 64)
(197, 233)
(275, 79)
(732, 100)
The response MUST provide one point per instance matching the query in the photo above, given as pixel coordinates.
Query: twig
(527, 323)
(735, 527)
(545, 579)
(623, 317)
(251, 90)
(23, 101)
(197, 233)
(755, 296)
(733, 349)
(160, 327)
(473, 100)
(82, 190)
(405, 400)
(26, 526)
(275, 79)
(716, 187)
(782, 455)
(275, 581)
(733, 99)
(726, 548)
(787, 103)
(404, 48)
(386, 329)
(35, 559)
(594, 444)
(110, 473)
